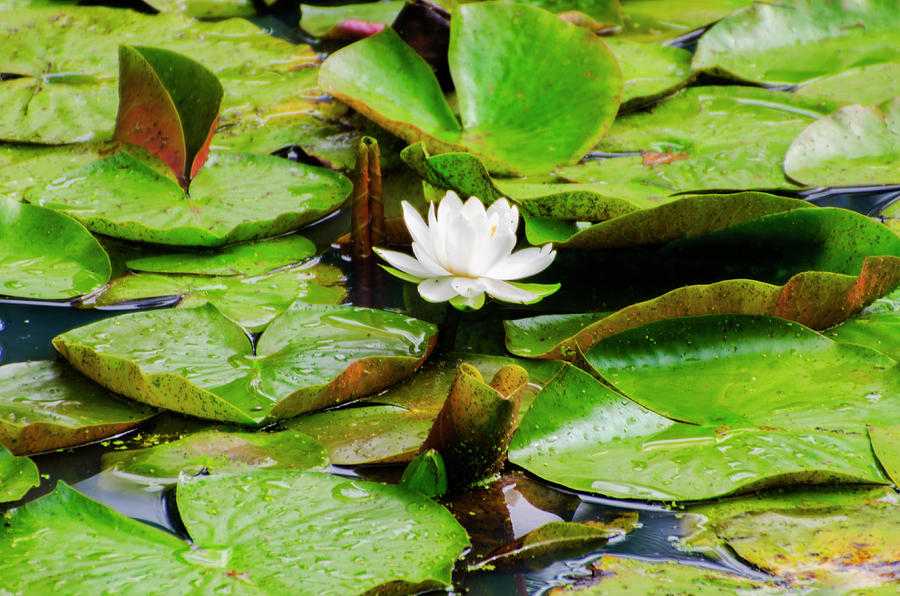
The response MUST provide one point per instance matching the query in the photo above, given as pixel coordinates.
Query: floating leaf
(267, 531)
(221, 452)
(242, 259)
(548, 542)
(426, 474)
(47, 405)
(847, 539)
(855, 145)
(736, 370)
(620, 575)
(18, 475)
(44, 254)
(662, 19)
(206, 9)
(703, 138)
(650, 71)
(251, 302)
(879, 331)
(519, 115)
(197, 362)
(395, 430)
(348, 20)
(867, 85)
(168, 104)
(582, 435)
(796, 42)
(815, 299)
(886, 444)
(236, 197)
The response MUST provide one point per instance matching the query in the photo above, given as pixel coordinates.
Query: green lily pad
(650, 71)
(46, 405)
(323, 21)
(548, 542)
(886, 444)
(866, 85)
(737, 369)
(44, 254)
(619, 575)
(251, 302)
(587, 437)
(527, 113)
(847, 539)
(796, 42)
(243, 259)
(855, 145)
(659, 20)
(69, 58)
(393, 430)
(23, 166)
(703, 138)
(18, 475)
(815, 299)
(205, 9)
(220, 452)
(197, 362)
(236, 197)
(879, 331)
(270, 531)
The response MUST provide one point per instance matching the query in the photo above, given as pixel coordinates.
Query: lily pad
(236, 197)
(736, 370)
(866, 85)
(46, 405)
(657, 20)
(197, 362)
(886, 444)
(548, 542)
(796, 42)
(542, 108)
(242, 259)
(68, 58)
(847, 539)
(206, 9)
(18, 475)
(220, 452)
(393, 430)
(251, 302)
(585, 436)
(855, 145)
(332, 22)
(620, 575)
(879, 331)
(815, 299)
(267, 531)
(650, 71)
(44, 254)
(703, 138)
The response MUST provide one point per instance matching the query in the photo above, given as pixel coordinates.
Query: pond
(656, 354)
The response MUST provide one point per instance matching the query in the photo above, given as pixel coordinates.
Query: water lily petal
(428, 261)
(437, 289)
(417, 227)
(507, 215)
(493, 251)
(461, 237)
(404, 263)
(508, 292)
(523, 263)
(468, 286)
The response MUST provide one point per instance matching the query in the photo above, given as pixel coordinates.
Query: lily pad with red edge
(813, 298)
(197, 362)
(236, 197)
(168, 104)
(527, 114)
(47, 405)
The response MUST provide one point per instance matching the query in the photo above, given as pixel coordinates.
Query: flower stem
(447, 330)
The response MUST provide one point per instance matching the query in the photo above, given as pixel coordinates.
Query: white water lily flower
(465, 252)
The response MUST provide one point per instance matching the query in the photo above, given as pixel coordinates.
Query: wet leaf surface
(348, 21)
(522, 130)
(583, 435)
(796, 42)
(268, 531)
(548, 542)
(855, 145)
(123, 197)
(866, 85)
(814, 299)
(658, 20)
(197, 362)
(47, 405)
(44, 254)
(220, 451)
(886, 444)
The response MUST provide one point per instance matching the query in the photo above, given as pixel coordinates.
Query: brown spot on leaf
(651, 158)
